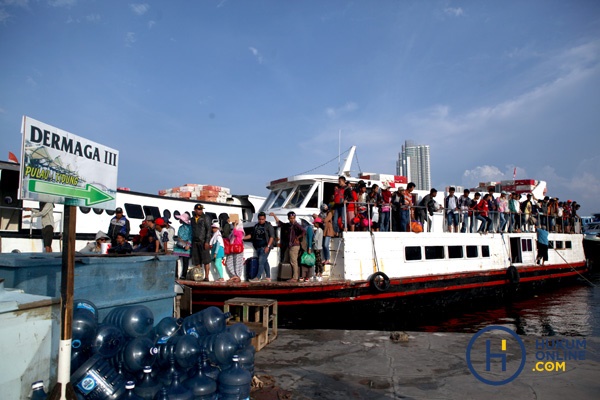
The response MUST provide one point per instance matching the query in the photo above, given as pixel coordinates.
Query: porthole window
(485, 251)
(434, 252)
(84, 210)
(98, 211)
(412, 253)
(472, 252)
(110, 212)
(455, 252)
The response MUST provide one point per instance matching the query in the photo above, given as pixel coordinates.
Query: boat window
(151, 210)
(568, 245)
(110, 212)
(455, 252)
(299, 195)
(551, 244)
(176, 214)
(329, 192)
(412, 253)
(526, 245)
(314, 199)
(85, 210)
(472, 252)
(485, 251)
(280, 199)
(212, 216)
(134, 211)
(98, 211)
(267, 203)
(167, 215)
(559, 244)
(434, 252)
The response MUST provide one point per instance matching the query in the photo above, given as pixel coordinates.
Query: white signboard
(59, 167)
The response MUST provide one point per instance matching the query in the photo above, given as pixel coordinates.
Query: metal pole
(63, 389)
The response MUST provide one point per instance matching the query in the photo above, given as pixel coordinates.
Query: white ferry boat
(374, 268)
(19, 234)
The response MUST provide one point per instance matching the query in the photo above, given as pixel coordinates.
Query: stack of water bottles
(126, 356)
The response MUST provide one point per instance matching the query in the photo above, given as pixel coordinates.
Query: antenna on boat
(345, 169)
(339, 148)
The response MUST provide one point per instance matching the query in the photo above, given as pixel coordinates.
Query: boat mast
(345, 169)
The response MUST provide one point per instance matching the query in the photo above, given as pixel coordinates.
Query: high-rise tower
(413, 162)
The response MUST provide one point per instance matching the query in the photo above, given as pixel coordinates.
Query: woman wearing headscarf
(183, 244)
(235, 261)
(96, 245)
(217, 250)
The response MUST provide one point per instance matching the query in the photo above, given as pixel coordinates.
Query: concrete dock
(338, 364)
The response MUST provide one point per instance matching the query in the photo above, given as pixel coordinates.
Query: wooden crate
(260, 315)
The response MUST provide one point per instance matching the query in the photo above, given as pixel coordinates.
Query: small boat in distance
(374, 270)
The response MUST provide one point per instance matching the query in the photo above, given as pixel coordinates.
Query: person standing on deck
(407, 210)
(464, 202)
(384, 215)
(296, 233)
(339, 197)
(262, 236)
(542, 245)
(452, 210)
(183, 244)
(118, 224)
(201, 234)
(46, 211)
(217, 251)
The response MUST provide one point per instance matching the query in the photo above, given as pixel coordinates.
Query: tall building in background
(413, 162)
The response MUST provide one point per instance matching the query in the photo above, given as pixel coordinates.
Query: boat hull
(345, 299)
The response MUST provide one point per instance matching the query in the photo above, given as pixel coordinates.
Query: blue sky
(238, 93)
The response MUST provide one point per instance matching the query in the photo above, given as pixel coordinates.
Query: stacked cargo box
(392, 180)
(195, 191)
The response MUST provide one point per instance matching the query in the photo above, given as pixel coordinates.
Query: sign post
(59, 167)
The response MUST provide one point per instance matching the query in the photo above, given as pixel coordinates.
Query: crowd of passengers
(358, 207)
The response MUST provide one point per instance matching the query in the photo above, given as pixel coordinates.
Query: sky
(238, 93)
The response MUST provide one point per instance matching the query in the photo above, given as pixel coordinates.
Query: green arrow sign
(90, 194)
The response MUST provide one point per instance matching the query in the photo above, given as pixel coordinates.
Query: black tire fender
(379, 281)
(512, 275)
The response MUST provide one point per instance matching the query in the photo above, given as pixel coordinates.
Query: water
(568, 311)
(571, 310)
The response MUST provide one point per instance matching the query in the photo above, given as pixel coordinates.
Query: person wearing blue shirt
(542, 245)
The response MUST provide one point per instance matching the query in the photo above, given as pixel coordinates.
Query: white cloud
(62, 3)
(455, 12)
(151, 24)
(4, 16)
(130, 39)
(256, 54)
(93, 18)
(333, 112)
(139, 8)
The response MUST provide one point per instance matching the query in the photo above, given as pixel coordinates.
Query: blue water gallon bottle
(97, 379)
(214, 320)
(242, 334)
(201, 385)
(130, 392)
(193, 325)
(37, 391)
(167, 327)
(176, 391)
(162, 394)
(108, 341)
(224, 347)
(148, 386)
(166, 347)
(207, 368)
(234, 383)
(166, 375)
(137, 354)
(246, 356)
(134, 321)
(187, 351)
(84, 325)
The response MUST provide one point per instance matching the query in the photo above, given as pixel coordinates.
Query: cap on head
(291, 214)
(199, 207)
(160, 222)
(149, 218)
(118, 210)
(216, 225)
(318, 220)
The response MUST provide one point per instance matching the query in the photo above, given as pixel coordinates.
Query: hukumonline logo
(497, 359)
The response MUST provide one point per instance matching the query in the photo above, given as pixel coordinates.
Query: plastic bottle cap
(147, 369)
(130, 385)
(37, 385)
(154, 350)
